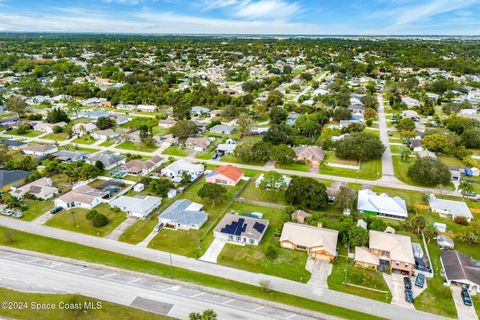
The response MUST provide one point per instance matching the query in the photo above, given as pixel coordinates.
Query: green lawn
(36, 208)
(46, 245)
(251, 192)
(29, 134)
(288, 264)
(128, 145)
(296, 166)
(62, 136)
(71, 147)
(176, 151)
(397, 149)
(108, 143)
(369, 170)
(233, 159)
(193, 243)
(358, 276)
(108, 311)
(205, 155)
(86, 139)
(451, 161)
(76, 220)
(400, 168)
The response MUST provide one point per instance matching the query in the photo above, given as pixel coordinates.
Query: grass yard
(369, 170)
(29, 134)
(176, 151)
(36, 208)
(62, 136)
(288, 264)
(71, 147)
(251, 192)
(296, 166)
(360, 277)
(398, 149)
(86, 139)
(233, 159)
(108, 311)
(76, 220)
(128, 145)
(450, 161)
(372, 130)
(205, 155)
(46, 245)
(160, 131)
(193, 243)
(400, 168)
(331, 157)
(108, 143)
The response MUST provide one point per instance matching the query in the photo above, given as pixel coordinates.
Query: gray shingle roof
(11, 176)
(178, 213)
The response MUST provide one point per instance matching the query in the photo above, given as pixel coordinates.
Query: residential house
(412, 114)
(197, 143)
(40, 150)
(42, 188)
(450, 208)
(300, 216)
(47, 127)
(12, 178)
(333, 190)
(286, 181)
(108, 159)
(94, 114)
(311, 154)
(104, 134)
(392, 251)
(227, 175)
(82, 197)
(416, 145)
(460, 269)
(13, 144)
(370, 203)
(241, 229)
(129, 107)
(410, 102)
(199, 111)
(426, 154)
(133, 136)
(71, 155)
(179, 167)
(139, 167)
(120, 118)
(10, 122)
(226, 148)
(184, 214)
(222, 129)
(146, 108)
(166, 123)
(81, 129)
(138, 206)
(319, 243)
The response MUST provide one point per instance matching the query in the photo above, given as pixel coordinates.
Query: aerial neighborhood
(350, 166)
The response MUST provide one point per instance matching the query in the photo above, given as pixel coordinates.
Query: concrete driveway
(213, 251)
(463, 312)
(395, 284)
(320, 271)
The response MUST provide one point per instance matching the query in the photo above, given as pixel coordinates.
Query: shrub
(271, 252)
(91, 214)
(99, 220)
(461, 220)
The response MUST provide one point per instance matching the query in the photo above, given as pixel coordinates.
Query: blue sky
(453, 17)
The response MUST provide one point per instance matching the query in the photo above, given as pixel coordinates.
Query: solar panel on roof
(259, 227)
(240, 224)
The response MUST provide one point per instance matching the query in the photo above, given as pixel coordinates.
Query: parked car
(158, 227)
(467, 299)
(18, 215)
(407, 283)
(55, 210)
(420, 280)
(409, 295)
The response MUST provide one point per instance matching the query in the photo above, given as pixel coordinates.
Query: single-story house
(241, 229)
(40, 150)
(319, 243)
(416, 145)
(412, 114)
(134, 136)
(286, 181)
(223, 129)
(138, 207)
(83, 128)
(426, 154)
(300, 216)
(370, 203)
(82, 197)
(137, 167)
(146, 108)
(410, 102)
(70, 155)
(227, 175)
(13, 178)
(184, 214)
(333, 190)
(197, 143)
(47, 127)
(312, 154)
(13, 144)
(198, 111)
(226, 148)
(10, 121)
(166, 123)
(108, 159)
(42, 188)
(176, 169)
(104, 134)
(450, 208)
(393, 251)
(460, 269)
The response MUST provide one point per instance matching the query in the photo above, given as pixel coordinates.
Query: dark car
(409, 295)
(420, 280)
(467, 300)
(407, 283)
(55, 210)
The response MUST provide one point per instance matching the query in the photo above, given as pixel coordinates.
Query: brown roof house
(392, 250)
(197, 143)
(319, 243)
(312, 154)
(41, 188)
(300, 216)
(461, 269)
(138, 167)
(82, 197)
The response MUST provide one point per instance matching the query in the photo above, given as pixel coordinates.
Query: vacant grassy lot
(297, 166)
(108, 311)
(29, 134)
(450, 161)
(76, 220)
(369, 170)
(36, 208)
(128, 145)
(287, 264)
(86, 139)
(108, 143)
(233, 159)
(62, 136)
(251, 192)
(176, 151)
(205, 155)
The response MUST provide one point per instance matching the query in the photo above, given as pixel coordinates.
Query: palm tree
(465, 187)
(405, 154)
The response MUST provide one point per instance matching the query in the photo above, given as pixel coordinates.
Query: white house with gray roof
(179, 167)
(138, 207)
(108, 159)
(450, 208)
(222, 129)
(184, 214)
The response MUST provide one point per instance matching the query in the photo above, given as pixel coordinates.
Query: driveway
(395, 284)
(214, 250)
(43, 218)
(121, 228)
(320, 272)
(463, 312)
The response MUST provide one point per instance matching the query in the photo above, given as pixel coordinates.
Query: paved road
(283, 285)
(388, 174)
(42, 274)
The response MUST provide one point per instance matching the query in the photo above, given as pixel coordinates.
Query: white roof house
(139, 207)
(410, 102)
(450, 208)
(370, 203)
(177, 168)
(41, 188)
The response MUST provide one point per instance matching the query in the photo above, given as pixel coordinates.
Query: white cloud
(266, 9)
